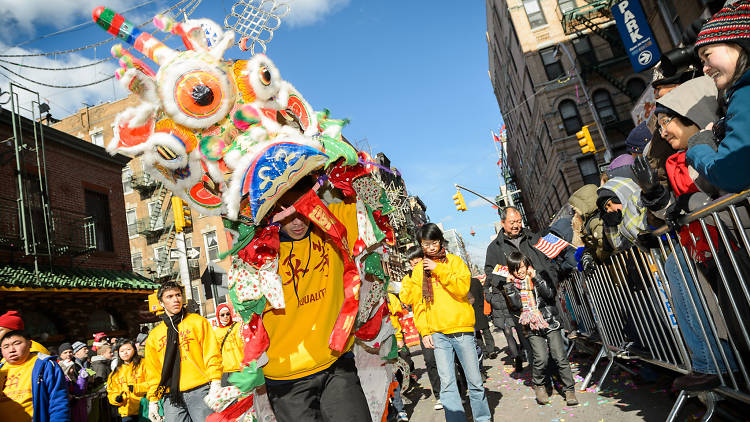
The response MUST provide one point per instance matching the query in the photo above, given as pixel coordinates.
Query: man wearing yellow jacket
(182, 358)
(229, 337)
(439, 289)
(305, 379)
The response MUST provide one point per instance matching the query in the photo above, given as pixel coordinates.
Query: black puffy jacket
(544, 292)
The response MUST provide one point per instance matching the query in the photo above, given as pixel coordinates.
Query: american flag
(551, 245)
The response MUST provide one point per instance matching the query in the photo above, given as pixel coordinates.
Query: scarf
(427, 294)
(170, 370)
(530, 314)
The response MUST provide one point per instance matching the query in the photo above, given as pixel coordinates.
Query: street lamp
(599, 127)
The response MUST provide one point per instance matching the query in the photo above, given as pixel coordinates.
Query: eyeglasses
(429, 243)
(663, 124)
(225, 314)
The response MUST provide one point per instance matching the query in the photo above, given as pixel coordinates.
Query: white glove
(215, 388)
(153, 412)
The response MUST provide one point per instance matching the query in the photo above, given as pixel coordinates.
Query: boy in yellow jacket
(440, 290)
(229, 337)
(182, 358)
(305, 379)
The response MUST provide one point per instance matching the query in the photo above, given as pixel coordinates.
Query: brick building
(64, 255)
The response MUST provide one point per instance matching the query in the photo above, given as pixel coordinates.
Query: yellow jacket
(117, 384)
(450, 311)
(233, 350)
(311, 272)
(200, 360)
(395, 309)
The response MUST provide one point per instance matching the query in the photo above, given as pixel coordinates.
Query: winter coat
(476, 291)
(497, 253)
(102, 367)
(586, 222)
(727, 166)
(633, 213)
(230, 342)
(544, 293)
(48, 390)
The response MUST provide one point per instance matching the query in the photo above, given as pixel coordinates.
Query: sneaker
(541, 394)
(438, 405)
(696, 382)
(403, 417)
(570, 398)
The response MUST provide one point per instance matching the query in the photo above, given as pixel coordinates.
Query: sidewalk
(621, 400)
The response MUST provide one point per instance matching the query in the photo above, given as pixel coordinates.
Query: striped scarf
(530, 314)
(427, 293)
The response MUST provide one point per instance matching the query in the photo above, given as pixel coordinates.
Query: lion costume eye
(195, 93)
(265, 75)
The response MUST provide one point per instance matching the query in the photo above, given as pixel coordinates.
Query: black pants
(485, 341)
(539, 346)
(431, 366)
(331, 395)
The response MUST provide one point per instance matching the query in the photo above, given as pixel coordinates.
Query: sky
(412, 76)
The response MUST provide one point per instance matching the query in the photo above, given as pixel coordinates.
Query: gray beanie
(78, 346)
(63, 347)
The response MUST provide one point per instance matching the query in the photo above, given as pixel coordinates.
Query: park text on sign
(636, 34)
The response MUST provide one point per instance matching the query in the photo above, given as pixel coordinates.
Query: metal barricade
(677, 306)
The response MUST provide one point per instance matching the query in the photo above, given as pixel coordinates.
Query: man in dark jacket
(513, 237)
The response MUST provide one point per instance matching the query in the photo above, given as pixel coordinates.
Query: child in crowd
(396, 310)
(126, 384)
(535, 297)
(723, 45)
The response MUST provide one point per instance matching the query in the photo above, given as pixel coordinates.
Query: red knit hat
(11, 320)
(730, 24)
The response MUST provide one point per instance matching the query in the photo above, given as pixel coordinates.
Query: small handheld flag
(551, 245)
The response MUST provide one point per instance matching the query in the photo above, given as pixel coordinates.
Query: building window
(636, 86)
(534, 13)
(570, 117)
(136, 260)
(97, 138)
(604, 106)
(552, 66)
(212, 246)
(589, 170)
(127, 176)
(130, 217)
(161, 261)
(101, 320)
(584, 51)
(566, 5)
(97, 207)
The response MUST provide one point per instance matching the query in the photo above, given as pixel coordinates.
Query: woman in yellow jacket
(440, 289)
(126, 385)
(229, 337)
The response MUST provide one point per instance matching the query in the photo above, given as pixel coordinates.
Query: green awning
(20, 276)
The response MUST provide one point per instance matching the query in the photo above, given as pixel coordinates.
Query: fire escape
(596, 18)
(30, 228)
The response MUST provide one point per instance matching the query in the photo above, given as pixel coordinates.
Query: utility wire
(57, 68)
(56, 86)
(97, 44)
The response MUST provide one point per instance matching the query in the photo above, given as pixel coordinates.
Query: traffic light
(585, 141)
(179, 214)
(500, 201)
(458, 199)
(187, 216)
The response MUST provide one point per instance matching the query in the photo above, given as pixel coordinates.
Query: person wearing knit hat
(81, 354)
(65, 352)
(723, 46)
(12, 321)
(638, 138)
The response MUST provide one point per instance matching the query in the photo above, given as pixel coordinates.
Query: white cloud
(26, 15)
(478, 202)
(63, 102)
(307, 12)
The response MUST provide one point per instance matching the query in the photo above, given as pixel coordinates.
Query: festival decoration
(231, 137)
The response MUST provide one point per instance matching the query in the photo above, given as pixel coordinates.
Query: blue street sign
(636, 34)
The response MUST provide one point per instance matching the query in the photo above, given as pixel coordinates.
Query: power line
(57, 68)
(99, 43)
(56, 86)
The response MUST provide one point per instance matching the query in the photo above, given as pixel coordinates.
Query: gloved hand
(119, 399)
(83, 373)
(215, 388)
(644, 176)
(648, 240)
(131, 387)
(588, 263)
(676, 211)
(153, 412)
